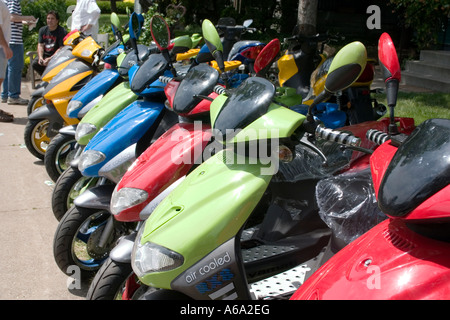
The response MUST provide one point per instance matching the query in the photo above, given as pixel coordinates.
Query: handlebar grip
(377, 136)
(219, 89)
(165, 79)
(337, 136)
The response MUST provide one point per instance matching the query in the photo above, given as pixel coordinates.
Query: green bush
(105, 6)
(39, 9)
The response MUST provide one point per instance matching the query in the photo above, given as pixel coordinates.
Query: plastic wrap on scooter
(347, 204)
(307, 164)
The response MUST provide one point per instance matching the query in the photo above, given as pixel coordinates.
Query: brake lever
(306, 141)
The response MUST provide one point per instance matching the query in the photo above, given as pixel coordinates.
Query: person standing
(51, 38)
(6, 52)
(13, 79)
(85, 17)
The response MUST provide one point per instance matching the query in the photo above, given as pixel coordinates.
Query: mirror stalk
(391, 97)
(324, 95)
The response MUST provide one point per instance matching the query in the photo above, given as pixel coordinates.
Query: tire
(35, 136)
(76, 238)
(109, 282)
(70, 184)
(34, 103)
(58, 155)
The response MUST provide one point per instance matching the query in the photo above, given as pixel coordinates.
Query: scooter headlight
(126, 198)
(90, 158)
(150, 257)
(74, 105)
(84, 129)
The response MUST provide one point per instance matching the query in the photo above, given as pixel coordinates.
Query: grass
(420, 106)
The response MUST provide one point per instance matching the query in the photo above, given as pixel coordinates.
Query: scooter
(154, 172)
(131, 131)
(45, 122)
(405, 256)
(61, 148)
(72, 183)
(232, 195)
(58, 62)
(304, 67)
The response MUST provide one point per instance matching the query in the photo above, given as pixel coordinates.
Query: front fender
(122, 251)
(215, 200)
(39, 92)
(95, 198)
(48, 111)
(69, 130)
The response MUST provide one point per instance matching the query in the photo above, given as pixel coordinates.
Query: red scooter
(406, 256)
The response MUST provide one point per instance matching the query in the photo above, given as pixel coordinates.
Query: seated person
(50, 40)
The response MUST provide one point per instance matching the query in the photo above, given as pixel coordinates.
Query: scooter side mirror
(390, 67)
(345, 69)
(115, 22)
(266, 57)
(160, 32)
(213, 42)
(133, 25)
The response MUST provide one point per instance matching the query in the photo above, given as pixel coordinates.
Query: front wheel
(58, 155)
(35, 103)
(77, 240)
(35, 136)
(70, 184)
(114, 281)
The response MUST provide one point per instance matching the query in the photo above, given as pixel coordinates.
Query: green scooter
(236, 219)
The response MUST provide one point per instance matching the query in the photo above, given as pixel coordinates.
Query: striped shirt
(16, 27)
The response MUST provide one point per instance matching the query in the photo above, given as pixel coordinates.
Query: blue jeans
(13, 78)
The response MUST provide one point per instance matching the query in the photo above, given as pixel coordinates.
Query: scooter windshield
(77, 66)
(418, 170)
(200, 80)
(61, 56)
(148, 72)
(111, 53)
(250, 101)
(131, 59)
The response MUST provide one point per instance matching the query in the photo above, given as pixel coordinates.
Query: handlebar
(337, 136)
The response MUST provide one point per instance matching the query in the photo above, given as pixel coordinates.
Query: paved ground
(27, 225)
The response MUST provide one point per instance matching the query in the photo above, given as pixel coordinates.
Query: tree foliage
(425, 17)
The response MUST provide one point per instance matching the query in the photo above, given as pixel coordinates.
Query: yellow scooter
(45, 121)
(58, 62)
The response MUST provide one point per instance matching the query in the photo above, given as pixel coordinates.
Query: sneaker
(4, 100)
(18, 100)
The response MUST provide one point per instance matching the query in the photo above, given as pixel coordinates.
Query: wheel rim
(79, 187)
(37, 104)
(64, 156)
(39, 138)
(85, 251)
